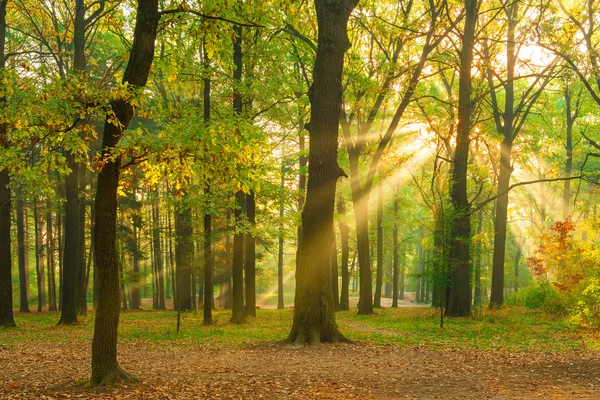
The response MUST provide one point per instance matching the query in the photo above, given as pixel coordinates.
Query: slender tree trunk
(379, 275)
(402, 275)
(39, 267)
(158, 256)
(477, 300)
(208, 256)
(238, 313)
(50, 258)
(314, 313)
(171, 254)
(334, 274)
(516, 270)
(6, 301)
(184, 253)
(344, 237)
(136, 222)
(250, 275)
(395, 260)
(105, 368)
(361, 214)
(81, 265)
(23, 281)
(280, 300)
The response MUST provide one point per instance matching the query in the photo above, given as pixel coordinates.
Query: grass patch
(508, 329)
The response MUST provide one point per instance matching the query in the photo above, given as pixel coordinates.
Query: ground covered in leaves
(398, 354)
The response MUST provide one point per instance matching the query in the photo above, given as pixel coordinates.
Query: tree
(6, 302)
(314, 313)
(105, 367)
(459, 303)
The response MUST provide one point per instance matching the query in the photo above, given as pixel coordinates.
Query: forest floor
(398, 353)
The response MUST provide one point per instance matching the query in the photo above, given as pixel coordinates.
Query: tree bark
(184, 255)
(50, 260)
(39, 265)
(459, 304)
(22, 254)
(344, 238)
(207, 245)
(250, 274)
(395, 257)
(379, 275)
(105, 368)
(280, 300)
(238, 313)
(158, 255)
(334, 274)
(314, 313)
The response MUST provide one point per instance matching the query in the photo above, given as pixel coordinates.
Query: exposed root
(113, 377)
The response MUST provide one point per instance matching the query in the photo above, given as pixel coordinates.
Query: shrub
(587, 307)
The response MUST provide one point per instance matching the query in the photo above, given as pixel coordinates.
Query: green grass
(509, 329)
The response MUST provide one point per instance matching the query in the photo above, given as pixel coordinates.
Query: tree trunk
(459, 304)
(250, 275)
(81, 265)
(516, 270)
(22, 254)
(207, 245)
(39, 266)
(238, 313)
(68, 289)
(136, 221)
(105, 368)
(361, 214)
(50, 262)
(477, 301)
(334, 274)
(184, 253)
(158, 255)
(344, 237)
(395, 257)
(314, 313)
(280, 301)
(379, 275)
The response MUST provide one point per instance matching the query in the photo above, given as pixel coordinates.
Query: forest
(328, 199)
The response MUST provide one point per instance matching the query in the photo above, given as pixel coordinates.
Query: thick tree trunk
(379, 275)
(459, 302)
(344, 238)
(104, 344)
(314, 313)
(22, 255)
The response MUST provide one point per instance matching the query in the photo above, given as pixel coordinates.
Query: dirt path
(359, 371)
